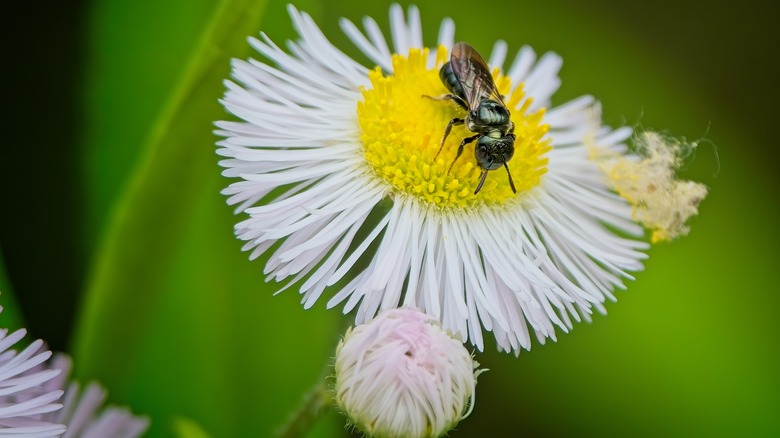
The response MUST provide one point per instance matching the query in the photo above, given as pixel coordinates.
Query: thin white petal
(498, 55)
(446, 36)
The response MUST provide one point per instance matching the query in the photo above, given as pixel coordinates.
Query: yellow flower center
(401, 132)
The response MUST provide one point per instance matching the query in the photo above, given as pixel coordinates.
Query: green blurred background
(118, 247)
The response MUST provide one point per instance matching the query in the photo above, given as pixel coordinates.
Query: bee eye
(480, 153)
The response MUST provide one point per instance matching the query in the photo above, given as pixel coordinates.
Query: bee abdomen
(451, 81)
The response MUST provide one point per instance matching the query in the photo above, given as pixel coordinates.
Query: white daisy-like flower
(24, 393)
(342, 181)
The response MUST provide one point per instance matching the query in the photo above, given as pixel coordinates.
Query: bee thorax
(491, 113)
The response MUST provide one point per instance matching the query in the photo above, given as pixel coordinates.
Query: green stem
(315, 403)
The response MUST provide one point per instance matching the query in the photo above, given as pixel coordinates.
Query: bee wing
(474, 75)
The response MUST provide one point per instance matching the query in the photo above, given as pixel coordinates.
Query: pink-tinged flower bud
(402, 375)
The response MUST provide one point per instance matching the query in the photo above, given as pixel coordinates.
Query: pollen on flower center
(401, 132)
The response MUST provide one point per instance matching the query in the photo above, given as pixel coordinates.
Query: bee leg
(511, 183)
(482, 177)
(453, 97)
(455, 121)
(465, 141)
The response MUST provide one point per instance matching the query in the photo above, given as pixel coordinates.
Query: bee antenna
(482, 177)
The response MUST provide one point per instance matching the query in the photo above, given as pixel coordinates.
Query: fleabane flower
(38, 401)
(402, 375)
(342, 182)
(24, 394)
(84, 411)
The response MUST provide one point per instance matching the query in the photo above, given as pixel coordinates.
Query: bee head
(494, 149)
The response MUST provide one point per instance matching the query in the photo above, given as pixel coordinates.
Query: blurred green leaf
(176, 321)
(187, 428)
(136, 52)
(10, 317)
(165, 186)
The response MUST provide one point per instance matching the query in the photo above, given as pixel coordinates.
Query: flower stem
(314, 404)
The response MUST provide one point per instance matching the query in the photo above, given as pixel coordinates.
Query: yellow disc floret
(401, 132)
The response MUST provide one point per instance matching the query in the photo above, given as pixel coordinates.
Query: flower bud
(402, 375)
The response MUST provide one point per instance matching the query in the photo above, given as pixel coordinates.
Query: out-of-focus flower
(31, 383)
(25, 396)
(84, 413)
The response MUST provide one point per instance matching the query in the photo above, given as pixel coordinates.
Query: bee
(471, 87)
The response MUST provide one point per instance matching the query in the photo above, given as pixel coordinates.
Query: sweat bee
(467, 77)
